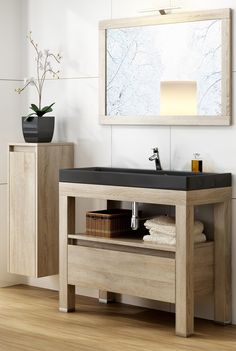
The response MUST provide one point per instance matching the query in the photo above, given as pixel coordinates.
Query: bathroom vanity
(130, 266)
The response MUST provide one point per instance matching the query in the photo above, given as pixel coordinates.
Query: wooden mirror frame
(223, 119)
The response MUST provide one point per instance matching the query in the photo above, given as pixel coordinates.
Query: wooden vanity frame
(173, 268)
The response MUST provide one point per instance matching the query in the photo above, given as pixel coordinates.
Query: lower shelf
(129, 241)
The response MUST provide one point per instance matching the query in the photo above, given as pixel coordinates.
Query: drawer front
(122, 272)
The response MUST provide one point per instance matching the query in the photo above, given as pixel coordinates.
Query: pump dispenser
(196, 163)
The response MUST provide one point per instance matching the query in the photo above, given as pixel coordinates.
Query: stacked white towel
(162, 231)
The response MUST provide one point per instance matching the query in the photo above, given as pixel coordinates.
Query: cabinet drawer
(137, 274)
(122, 272)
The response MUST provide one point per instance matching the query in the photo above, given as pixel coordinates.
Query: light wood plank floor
(29, 320)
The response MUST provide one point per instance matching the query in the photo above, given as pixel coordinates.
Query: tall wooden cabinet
(33, 206)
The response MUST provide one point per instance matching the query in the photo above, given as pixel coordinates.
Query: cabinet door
(22, 212)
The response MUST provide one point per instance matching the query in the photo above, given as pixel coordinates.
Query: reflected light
(178, 98)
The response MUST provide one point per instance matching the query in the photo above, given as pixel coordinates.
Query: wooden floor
(29, 320)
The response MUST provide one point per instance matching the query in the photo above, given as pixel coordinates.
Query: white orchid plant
(44, 60)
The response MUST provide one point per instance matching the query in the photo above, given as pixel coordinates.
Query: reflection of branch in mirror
(131, 72)
(207, 37)
(139, 58)
(202, 32)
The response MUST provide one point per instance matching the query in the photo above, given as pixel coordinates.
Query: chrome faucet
(156, 157)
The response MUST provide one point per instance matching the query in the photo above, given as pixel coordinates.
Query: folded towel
(157, 232)
(200, 238)
(162, 220)
(162, 239)
(166, 224)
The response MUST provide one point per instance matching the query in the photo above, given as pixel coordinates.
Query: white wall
(72, 27)
(73, 31)
(10, 130)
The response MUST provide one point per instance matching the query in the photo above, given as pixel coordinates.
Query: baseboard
(4, 284)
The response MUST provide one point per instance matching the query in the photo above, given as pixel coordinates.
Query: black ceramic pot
(38, 129)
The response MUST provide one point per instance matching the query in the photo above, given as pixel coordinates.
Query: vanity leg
(184, 296)
(222, 238)
(106, 296)
(66, 225)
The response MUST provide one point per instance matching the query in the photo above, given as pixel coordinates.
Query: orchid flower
(43, 68)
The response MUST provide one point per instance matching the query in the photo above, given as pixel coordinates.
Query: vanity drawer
(122, 272)
(137, 274)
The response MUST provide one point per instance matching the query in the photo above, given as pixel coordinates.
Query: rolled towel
(166, 224)
(162, 239)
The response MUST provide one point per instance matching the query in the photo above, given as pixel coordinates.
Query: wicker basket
(108, 223)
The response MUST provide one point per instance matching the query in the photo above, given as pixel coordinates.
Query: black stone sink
(144, 178)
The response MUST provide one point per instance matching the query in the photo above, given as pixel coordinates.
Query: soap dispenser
(196, 163)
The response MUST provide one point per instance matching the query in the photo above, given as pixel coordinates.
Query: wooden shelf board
(129, 241)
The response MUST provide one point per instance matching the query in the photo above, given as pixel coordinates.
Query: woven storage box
(108, 223)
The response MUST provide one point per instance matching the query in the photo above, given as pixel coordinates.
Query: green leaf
(30, 115)
(34, 105)
(52, 104)
(40, 112)
(34, 108)
(47, 108)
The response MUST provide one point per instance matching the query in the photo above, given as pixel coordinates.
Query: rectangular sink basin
(144, 178)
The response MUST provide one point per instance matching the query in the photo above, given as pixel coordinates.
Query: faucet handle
(155, 150)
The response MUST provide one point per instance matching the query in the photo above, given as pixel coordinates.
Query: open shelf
(131, 242)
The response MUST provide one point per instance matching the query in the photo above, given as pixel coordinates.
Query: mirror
(168, 70)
